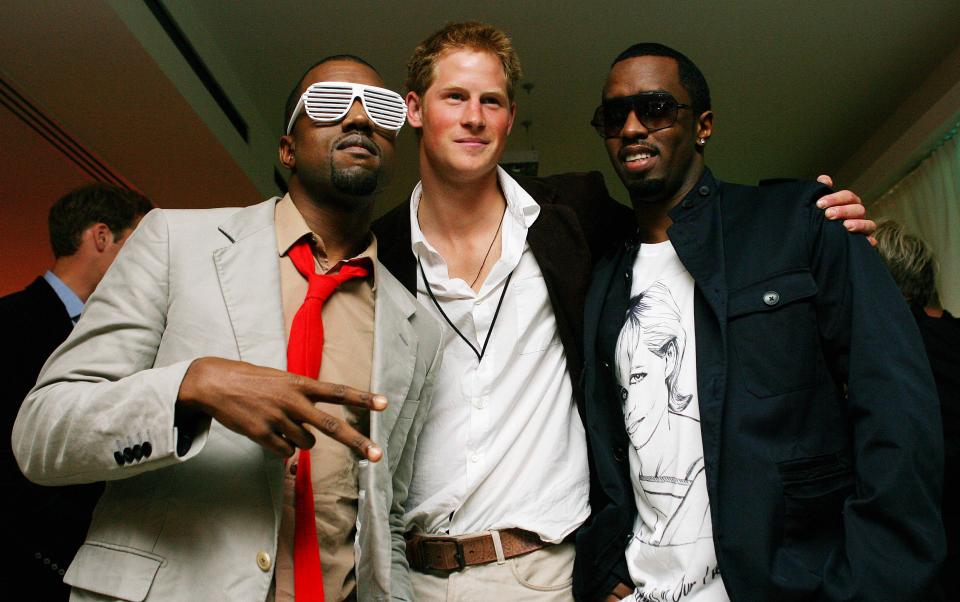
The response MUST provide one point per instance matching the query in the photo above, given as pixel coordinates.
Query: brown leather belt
(446, 553)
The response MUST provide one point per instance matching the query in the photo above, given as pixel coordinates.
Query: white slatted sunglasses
(328, 102)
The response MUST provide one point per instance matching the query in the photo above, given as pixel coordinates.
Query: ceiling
(798, 87)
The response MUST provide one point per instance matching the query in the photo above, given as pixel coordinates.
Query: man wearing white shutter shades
(173, 387)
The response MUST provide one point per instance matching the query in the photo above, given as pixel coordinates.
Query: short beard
(354, 181)
(647, 189)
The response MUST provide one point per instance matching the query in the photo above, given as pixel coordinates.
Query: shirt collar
(520, 205)
(291, 227)
(70, 300)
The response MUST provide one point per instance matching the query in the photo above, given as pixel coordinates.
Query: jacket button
(147, 449)
(118, 457)
(704, 191)
(137, 452)
(619, 453)
(128, 454)
(263, 561)
(771, 297)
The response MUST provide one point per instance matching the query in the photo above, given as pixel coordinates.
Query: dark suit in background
(941, 338)
(46, 525)
(816, 492)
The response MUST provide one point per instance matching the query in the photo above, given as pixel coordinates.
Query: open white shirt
(503, 445)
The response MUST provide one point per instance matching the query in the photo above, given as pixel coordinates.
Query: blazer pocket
(773, 328)
(113, 571)
(815, 491)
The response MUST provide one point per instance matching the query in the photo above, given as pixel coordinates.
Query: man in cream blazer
(192, 507)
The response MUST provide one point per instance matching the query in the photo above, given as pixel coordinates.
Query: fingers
(294, 433)
(846, 212)
(842, 197)
(861, 226)
(277, 444)
(341, 394)
(338, 430)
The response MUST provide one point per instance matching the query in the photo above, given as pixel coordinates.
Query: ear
(414, 110)
(705, 125)
(100, 236)
(671, 357)
(513, 115)
(287, 152)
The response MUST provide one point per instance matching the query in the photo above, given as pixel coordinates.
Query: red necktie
(304, 352)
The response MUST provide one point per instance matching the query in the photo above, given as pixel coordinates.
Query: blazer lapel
(250, 282)
(394, 356)
(249, 275)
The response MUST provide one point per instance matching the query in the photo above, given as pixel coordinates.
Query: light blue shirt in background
(69, 298)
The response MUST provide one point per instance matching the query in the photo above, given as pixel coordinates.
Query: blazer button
(147, 449)
(263, 561)
(771, 298)
(128, 454)
(118, 457)
(704, 191)
(137, 452)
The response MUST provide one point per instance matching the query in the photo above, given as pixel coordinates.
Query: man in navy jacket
(761, 416)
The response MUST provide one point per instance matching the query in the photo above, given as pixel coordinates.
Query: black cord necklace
(493, 322)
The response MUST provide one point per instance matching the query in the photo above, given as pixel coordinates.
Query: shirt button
(475, 458)
(479, 403)
(771, 297)
(263, 561)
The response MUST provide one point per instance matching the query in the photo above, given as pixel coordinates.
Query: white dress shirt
(503, 445)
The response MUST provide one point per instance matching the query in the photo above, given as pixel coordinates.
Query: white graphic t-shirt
(671, 556)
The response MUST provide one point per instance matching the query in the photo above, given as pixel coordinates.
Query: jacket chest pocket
(773, 329)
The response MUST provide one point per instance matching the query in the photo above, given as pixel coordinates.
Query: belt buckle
(458, 555)
(439, 545)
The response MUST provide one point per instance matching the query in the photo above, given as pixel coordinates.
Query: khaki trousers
(544, 575)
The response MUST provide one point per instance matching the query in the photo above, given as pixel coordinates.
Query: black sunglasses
(655, 110)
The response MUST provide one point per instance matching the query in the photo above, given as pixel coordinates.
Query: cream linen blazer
(203, 526)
